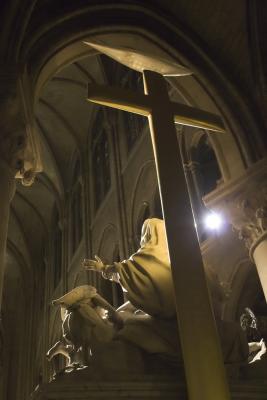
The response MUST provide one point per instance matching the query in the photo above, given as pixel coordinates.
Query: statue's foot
(69, 368)
(77, 365)
(72, 367)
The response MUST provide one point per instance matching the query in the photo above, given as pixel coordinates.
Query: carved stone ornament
(12, 147)
(18, 143)
(249, 215)
(244, 202)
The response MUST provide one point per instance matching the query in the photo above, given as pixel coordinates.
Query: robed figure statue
(148, 319)
(146, 275)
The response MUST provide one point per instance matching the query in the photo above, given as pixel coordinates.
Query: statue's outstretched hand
(93, 265)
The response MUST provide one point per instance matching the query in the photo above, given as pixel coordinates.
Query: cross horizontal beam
(142, 104)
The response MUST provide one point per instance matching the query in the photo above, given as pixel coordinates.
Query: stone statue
(146, 279)
(87, 318)
(148, 319)
(89, 321)
(146, 275)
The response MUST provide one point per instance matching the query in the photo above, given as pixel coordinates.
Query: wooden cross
(201, 349)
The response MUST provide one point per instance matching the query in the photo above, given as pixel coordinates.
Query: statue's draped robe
(147, 279)
(146, 275)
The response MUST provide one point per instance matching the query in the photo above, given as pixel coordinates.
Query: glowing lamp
(213, 221)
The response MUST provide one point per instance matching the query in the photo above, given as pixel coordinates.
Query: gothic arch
(26, 272)
(226, 148)
(244, 289)
(75, 204)
(142, 206)
(20, 240)
(75, 159)
(106, 249)
(100, 135)
(216, 147)
(54, 327)
(108, 241)
(204, 160)
(65, 46)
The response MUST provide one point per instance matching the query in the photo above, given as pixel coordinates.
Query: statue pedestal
(94, 384)
(118, 370)
(141, 387)
(152, 387)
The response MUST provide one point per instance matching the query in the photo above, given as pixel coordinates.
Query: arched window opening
(118, 74)
(76, 223)
(134, 124)
(208, 171)
(203, 176)
(117, 293)
(100, 160)
(57, 250)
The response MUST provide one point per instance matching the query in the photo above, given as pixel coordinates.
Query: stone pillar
(244, 201)
(18, 149)
(7, 184)
(12, 143)
(249, 218)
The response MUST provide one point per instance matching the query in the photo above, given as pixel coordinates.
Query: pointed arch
(100, 158)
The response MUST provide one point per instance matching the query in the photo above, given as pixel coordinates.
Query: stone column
(7, 184)
(11, 144)
(18, 149)
(244, 201)
(249, 218)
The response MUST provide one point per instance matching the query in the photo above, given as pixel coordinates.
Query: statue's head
(153, 233)
(248, 320)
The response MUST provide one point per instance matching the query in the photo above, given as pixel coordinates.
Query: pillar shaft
(247, 208)
(260, 259)
(245, 204)
(7, 185)
(19, 153)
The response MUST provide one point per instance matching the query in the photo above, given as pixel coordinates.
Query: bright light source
(213, 221)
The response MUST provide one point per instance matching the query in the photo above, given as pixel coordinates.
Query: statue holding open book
(147, 320)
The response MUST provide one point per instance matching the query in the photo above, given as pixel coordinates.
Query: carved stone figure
(146, 275)
(86, 318)
(148, 319)
(89, 321)
(146, 279)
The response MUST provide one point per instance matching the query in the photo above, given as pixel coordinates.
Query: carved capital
(12, 145)
(18, 147)
(12, 136)
(249, 216)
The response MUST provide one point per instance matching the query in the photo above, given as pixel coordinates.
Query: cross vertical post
(204, 367)
(203, 360)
